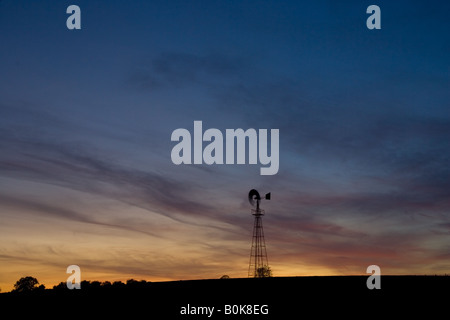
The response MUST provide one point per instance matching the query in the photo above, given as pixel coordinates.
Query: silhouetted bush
(27, 284)
(118, 284)
(60, 286)
(264, 272)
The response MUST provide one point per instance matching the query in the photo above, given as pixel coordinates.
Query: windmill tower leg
(259, 264)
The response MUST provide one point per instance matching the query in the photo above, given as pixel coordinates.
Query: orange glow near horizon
(153, 247)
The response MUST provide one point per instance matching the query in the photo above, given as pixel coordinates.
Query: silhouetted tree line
(96, 285)
(31, 285)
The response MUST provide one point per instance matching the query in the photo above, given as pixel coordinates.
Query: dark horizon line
(97, 284)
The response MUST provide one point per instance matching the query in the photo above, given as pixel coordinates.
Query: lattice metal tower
(259, 264)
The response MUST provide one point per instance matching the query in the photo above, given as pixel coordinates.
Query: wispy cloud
(178, 69)
(73, 167)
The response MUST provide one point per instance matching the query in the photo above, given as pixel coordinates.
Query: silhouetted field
(286, 298)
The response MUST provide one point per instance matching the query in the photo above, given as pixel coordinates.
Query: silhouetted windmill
(259, 264)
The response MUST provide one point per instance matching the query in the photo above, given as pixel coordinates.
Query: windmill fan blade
(252, 196)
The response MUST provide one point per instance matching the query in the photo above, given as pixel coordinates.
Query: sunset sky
(86, 118)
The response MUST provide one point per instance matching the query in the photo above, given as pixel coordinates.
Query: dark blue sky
(86, 118)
